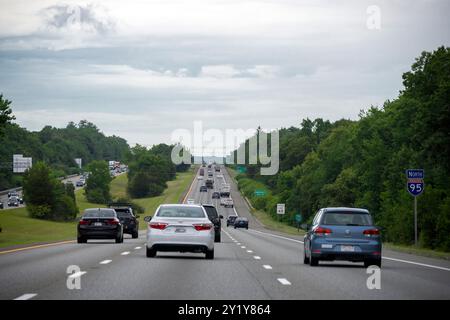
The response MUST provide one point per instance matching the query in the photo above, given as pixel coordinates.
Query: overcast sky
(142, 69)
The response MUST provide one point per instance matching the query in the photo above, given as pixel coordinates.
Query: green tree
(98, 184)
(5, 113)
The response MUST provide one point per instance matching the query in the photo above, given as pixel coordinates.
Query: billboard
(21, 164)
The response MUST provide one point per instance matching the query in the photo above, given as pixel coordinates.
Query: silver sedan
(180, 228)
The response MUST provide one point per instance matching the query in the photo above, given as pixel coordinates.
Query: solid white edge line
(384, 257)
(26, 296)
(284, 281)
(106, 261)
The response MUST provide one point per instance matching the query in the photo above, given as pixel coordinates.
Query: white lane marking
(137, 248)
(384, 257)
(26, 296)
(417, 263)
(105, 261)
(77, 274)
(249, 251)
(257, 257)
(284, 281)
(276, 236)
(125, 253)
(235, 212)
(242, 247)
(238, 243)
(267, 267)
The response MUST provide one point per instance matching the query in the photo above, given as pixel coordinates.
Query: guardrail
(18, 189)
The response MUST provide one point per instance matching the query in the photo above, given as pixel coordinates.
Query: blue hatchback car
(342, 234)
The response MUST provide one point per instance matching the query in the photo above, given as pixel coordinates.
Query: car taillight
(113, 221)
(84, 222)
(322, 231)
(157, 225)
(203, 226)
(371, 232)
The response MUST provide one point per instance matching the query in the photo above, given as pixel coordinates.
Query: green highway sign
(298, 218)
(260, 193)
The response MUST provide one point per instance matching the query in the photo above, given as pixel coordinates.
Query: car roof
(345, 209)
(180, 205)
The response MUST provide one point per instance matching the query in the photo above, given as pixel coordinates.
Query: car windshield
(102, 213)
(212, 212)
(347, 219)
(181, 212)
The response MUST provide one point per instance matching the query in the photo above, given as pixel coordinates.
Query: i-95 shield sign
(415, 183)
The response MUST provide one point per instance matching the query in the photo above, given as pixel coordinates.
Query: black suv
(203, 189)
(215, 219)
(126, 217)
(241, 223)
(230, 220)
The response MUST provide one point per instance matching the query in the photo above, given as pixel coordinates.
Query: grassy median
(19, 229)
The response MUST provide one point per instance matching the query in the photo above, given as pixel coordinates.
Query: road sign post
(415, 186)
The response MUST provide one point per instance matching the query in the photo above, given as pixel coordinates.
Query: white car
(180, 228)
(219, 176)
(200, 178)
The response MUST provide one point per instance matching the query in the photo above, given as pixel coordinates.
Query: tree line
(362, 163)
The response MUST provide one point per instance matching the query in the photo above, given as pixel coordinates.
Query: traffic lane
(346, 280)
(168, 276)
(29, 270)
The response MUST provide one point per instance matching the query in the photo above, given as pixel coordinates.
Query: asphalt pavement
(249, 264)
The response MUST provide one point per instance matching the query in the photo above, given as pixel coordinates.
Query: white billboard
(21, 164)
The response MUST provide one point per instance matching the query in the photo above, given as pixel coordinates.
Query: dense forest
(362, 163)
(58, 147)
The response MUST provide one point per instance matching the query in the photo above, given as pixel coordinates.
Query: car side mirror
(148, 218)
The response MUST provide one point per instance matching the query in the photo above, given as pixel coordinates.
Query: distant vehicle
(203, 189)
(13, 201)
(2, 206)
(342, 234)
(201, 172)
(241, 222)
(215, 218)
(217, 169)
(228, 203)
(216, 195)
(225, 191)
(219, 176)
(190, 201)
(180, 228)
(200, 178)
(209, 165)
(230, 220)
(99, 223)
(210, 174)
(80, 183)
(209, 183)
(127, 218)
(13, 194)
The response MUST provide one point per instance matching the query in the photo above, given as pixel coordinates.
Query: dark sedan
(216, 195)
(203, 189)
(241, 223)
(100, 223)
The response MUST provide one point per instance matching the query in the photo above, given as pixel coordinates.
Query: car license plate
(97, 224)
(180, 230)
(347, 248)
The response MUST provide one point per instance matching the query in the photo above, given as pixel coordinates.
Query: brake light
(322, 231)
(203, 226)
(84, 222)
(371, 232)
(157, 225)
(113, 221)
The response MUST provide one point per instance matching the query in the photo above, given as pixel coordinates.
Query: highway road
(249, 264)
(4, 197)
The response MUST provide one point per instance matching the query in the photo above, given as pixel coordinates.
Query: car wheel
(81, 240)
(305, 258)
(151, 253)
(210, 254)
(313, 262)
(217, 238)
(135, 234)
(235, 227)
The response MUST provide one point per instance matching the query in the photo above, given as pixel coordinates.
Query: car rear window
(103, 213)
(346, 218)
(212, 212)
(123, 213)
(181, 212)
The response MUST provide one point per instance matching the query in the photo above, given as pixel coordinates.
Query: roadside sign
(21, 164)
(415, 183)
(281, 208)
(260, 193)
(241, 169)
(415, 186)
(298, 218)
